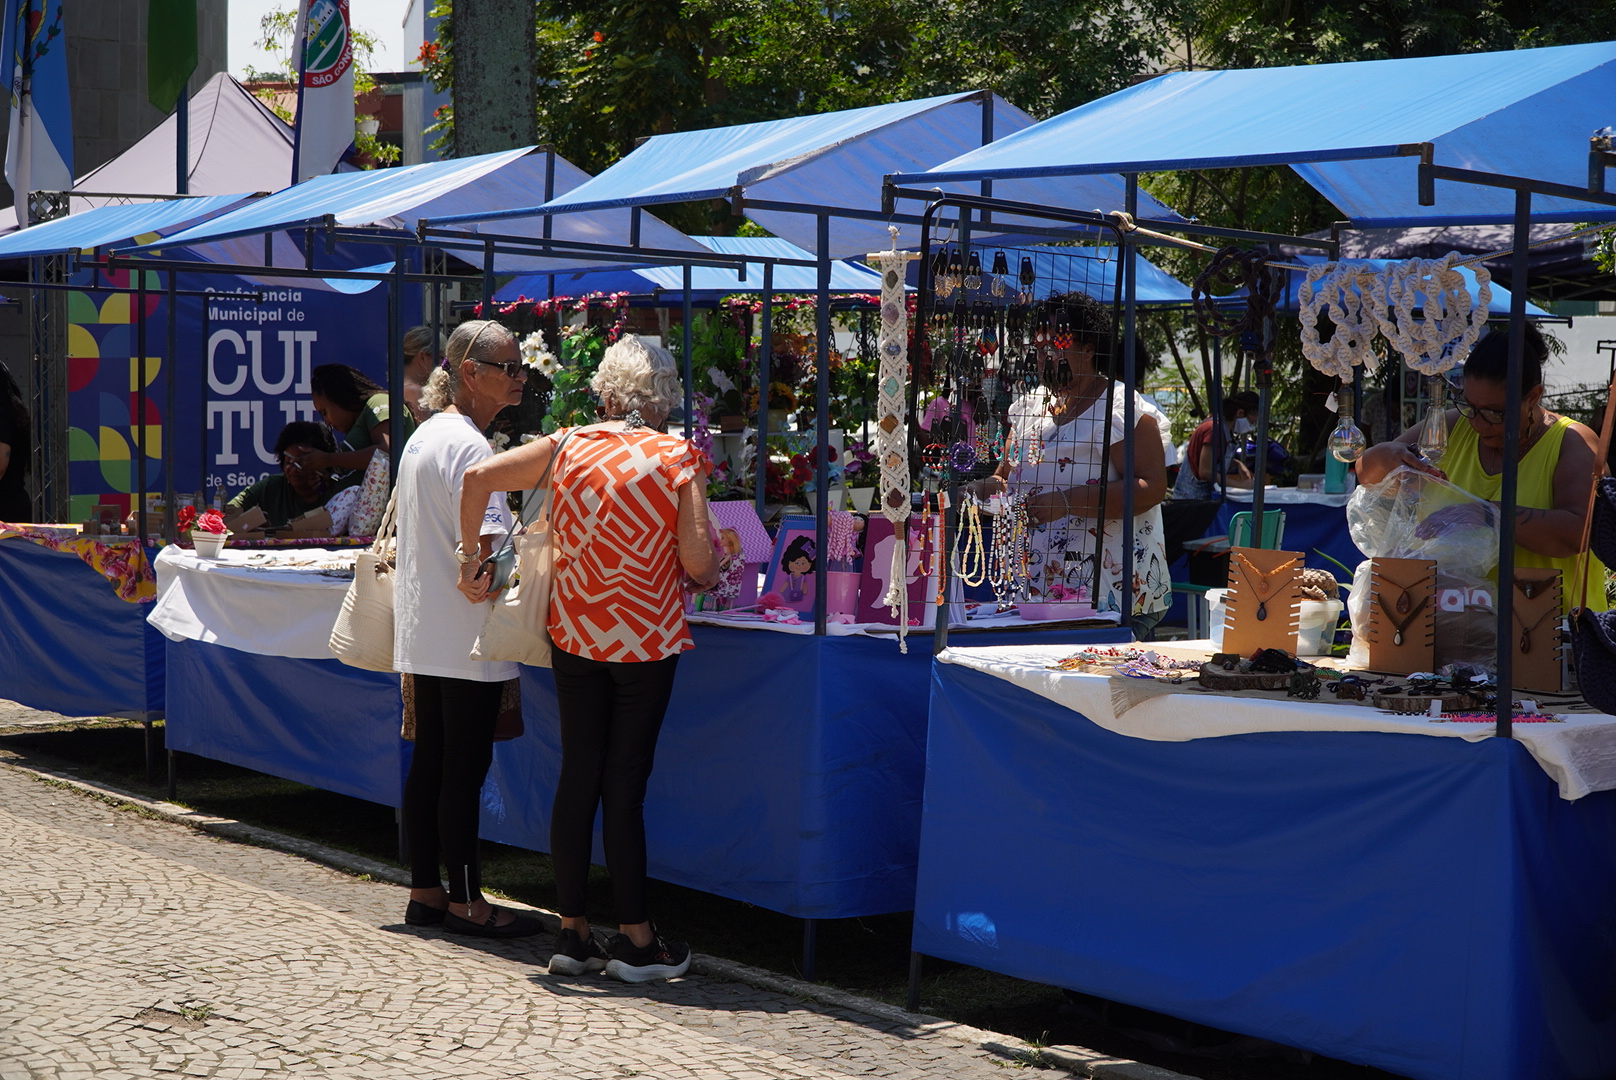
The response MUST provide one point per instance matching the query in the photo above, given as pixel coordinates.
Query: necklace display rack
(1401, 626)
(1539, 653)
(1264, 600)
(993, 348)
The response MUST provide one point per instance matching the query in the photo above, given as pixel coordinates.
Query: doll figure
(798, 564)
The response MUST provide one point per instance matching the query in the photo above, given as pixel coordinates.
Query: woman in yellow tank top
(1558, 461)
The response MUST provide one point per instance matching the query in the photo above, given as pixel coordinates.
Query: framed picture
(793, 564)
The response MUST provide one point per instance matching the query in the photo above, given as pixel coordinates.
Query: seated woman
(1067, 446)
(346, 399)
(1558, 461)
(300, 486)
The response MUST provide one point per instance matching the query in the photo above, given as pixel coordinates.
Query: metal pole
(1129, 379)
(760, 456)
(395, 365)
(205, 390)
(139, 429)
(1505, 728)
(1220, 437)
(822, 425)
(170, 389)
(687, 314)
(182, 145)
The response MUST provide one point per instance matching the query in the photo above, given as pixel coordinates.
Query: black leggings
(610, 716)
(454, 745)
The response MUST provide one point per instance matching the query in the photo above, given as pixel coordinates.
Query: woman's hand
(986, 488)
(472, 583)
(1383, 459)
(1458, 516)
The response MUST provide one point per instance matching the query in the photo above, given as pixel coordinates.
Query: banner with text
(255, 364)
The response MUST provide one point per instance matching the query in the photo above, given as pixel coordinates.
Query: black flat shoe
(419, 914)
(524, 926)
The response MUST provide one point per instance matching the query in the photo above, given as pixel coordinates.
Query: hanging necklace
(1399, 627)
(1254, 577)
(1526, 631)
(1403, 597)
(970, 544)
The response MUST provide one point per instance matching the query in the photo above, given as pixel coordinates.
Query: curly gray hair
(636, 376)
(475, 339)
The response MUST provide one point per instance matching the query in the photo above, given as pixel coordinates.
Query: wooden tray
(1420, 704)
(1214, 677)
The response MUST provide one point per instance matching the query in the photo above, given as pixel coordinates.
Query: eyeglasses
(513, 369)
(1470, 412)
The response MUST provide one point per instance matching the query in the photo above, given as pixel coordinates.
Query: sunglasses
(1470, 412)
(513, 369)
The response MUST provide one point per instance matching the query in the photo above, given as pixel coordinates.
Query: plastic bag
(1414, 515)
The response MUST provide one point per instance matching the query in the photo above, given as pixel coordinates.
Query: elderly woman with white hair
(629, 517)
(456, 699)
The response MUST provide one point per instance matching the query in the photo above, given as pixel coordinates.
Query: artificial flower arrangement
(208, 531)
(859, 468)
(537, 356)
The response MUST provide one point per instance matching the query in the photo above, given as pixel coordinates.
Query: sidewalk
(139, 948)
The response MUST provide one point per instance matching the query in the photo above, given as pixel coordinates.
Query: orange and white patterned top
(616, 520)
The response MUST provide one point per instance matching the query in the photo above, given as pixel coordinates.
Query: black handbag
(1602, 532)
(1593, 649)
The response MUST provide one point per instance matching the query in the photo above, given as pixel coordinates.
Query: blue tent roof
(106, 225)
(835, 160)
(707, 282)
(396, 199)
(1524, 113)
(1061, 270)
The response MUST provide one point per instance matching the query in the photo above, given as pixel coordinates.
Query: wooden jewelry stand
(1264, 601)
(1401, 629)
(1536, 634)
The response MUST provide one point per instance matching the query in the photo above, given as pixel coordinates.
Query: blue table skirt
(318, 722)
(68, 644)
(788, 773)
(1424, 905)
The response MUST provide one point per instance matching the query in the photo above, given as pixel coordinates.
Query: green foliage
(570, 401)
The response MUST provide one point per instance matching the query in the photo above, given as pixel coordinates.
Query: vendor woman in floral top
(1066, 446)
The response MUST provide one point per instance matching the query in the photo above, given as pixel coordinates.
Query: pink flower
(211, 521)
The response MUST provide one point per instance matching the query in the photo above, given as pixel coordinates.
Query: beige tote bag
(363, 635)
(518, 627)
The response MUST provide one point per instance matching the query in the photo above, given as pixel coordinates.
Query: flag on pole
(171, 50)
(325, 89)
(39, 147)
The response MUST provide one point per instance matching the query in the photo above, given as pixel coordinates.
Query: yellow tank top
(1535, 488)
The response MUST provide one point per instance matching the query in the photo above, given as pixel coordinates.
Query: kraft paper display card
(1401, 628)
(1264, 600)
(1536, 631)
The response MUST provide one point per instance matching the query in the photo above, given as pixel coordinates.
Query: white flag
(325, 95)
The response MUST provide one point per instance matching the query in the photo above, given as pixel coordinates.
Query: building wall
(106, 71)
(421, 101)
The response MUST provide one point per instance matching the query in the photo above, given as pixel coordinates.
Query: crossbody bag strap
(1593, 493)
(541, 493)
(387, 531)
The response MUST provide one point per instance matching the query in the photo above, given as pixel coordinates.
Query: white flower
(536, 356)
(500, 440)
(720, 380)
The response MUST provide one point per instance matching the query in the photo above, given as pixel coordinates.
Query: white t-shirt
(434, 626)
(1063, 550)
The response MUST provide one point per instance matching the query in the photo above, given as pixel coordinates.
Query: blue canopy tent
(707, 283)
(104, 226)
(1374, 137)
(1354, 131)
(1289, 302)
(816, 181)
(1470, 139)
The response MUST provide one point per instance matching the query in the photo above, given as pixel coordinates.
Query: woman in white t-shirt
(1067, 446)
(457, 699)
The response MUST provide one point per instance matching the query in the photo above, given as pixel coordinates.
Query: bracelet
(462, 558)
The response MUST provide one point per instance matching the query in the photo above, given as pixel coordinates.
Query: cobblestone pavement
(13, 716)
(137, 948)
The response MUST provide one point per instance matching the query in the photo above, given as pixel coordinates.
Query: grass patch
(868, 956)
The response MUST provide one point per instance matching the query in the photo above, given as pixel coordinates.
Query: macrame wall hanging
(1362, 301)
(892, 431)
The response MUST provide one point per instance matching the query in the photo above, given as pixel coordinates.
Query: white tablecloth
(1579, 754)
(258, 601)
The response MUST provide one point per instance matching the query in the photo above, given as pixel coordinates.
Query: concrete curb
(1074, 1059)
